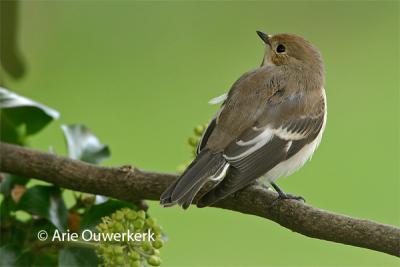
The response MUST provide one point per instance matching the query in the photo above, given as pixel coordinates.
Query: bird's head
(291, 50)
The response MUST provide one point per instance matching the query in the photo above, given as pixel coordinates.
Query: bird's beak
(264, 37)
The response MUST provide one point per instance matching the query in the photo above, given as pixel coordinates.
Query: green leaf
(93, 215)
(100, 199)
(84, 145)
(77, 257)
(21, 117)
(46, 202)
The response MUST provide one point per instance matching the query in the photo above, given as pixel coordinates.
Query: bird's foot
(283, 195)
(290, 196)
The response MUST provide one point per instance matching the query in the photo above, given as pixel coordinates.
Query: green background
(139, 74)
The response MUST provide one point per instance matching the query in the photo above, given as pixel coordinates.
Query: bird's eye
(280, 48)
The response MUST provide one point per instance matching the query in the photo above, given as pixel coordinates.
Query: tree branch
(130, 184)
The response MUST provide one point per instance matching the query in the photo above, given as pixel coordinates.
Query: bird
(268, 126)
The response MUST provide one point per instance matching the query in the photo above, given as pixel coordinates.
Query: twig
(132, 184)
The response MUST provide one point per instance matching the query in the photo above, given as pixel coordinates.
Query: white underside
(294, 163)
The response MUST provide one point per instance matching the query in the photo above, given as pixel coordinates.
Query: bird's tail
(224, 189)
(185, 188)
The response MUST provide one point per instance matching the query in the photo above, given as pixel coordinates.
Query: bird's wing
(243, 105)
(206, 135)
(232, 100)
(260, 149)
(284, 125)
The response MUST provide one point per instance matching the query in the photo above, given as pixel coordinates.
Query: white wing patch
(221, 174)
(218, 99)
(284, 134)
(259, 141)
(288, 145)
(266, 134)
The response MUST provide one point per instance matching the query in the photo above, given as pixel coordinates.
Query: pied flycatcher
(269, 125)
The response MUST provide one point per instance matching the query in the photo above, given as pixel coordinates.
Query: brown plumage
(269, 124)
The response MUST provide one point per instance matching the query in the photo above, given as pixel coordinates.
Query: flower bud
(108, 251)
(150, 222)
(157, 229)
(118, 249)
(193, 141)
(134, 256)
(102, 227)
(118, 227)
(199, 130)
(134, 263)
(138, 224)
(132, 215)
(158, 243)
(118, 216)
(154, 260)
(120, 260)
(146, 245)
(141, 214)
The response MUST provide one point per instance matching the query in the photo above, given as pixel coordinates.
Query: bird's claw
(287, 196)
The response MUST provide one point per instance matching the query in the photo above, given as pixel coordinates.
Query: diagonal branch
(129, 183)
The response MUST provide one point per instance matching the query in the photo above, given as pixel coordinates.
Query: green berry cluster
(193, 143)
(128, 253)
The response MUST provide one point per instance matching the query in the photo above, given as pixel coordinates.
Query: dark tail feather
(224, 189)
(186, 200)
(185, 188)
(165, 199)
(211, 197)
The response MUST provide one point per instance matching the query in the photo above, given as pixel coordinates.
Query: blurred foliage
(21, 117)
(10, 56)
(126, 253)
(83, 145)
(45, 207)
(45, 202)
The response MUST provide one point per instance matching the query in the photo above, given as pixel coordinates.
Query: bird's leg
(283, 195)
